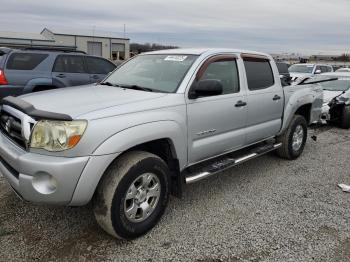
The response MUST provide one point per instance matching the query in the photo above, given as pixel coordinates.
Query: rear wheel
(345, 118)
(132, 195)
(293, 139)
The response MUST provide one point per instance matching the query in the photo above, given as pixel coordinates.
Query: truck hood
(295, 76)
(76, 101)
(329, 95)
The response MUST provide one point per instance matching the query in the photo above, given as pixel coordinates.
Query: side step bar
(227, 162)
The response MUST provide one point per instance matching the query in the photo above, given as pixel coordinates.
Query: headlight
(57, 135)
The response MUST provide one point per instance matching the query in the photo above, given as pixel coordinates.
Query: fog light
(44, 183)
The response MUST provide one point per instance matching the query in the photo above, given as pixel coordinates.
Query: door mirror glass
(318, 71)
(207, 87)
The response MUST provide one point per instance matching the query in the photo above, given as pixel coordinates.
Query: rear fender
(31, 84)
(297, 100)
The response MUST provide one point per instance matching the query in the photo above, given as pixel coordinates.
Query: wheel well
(43, 88)
(165, 149)
(305, 111)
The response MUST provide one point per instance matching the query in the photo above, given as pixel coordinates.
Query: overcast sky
(304, 26)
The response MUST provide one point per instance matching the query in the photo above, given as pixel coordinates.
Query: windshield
(342, 84)
(301, 69)
(158, 73)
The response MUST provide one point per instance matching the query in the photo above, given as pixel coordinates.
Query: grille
(11, 126)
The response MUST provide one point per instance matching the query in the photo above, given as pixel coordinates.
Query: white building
(109, 46)
(106, 45)
(19, 39)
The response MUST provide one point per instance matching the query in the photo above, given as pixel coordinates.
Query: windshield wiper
(136, 87)
(303, 82)
(107, 84)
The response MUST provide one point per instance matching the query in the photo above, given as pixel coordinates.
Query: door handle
(61, 75)
(276, 97)
(240, 103)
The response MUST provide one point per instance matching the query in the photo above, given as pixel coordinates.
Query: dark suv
(32, 70)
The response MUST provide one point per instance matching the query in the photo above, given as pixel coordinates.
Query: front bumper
(40, 178)
(325, 116)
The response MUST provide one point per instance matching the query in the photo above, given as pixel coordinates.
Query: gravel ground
(267, 209)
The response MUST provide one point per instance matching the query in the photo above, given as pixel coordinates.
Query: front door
(216, 123)
(98, 68)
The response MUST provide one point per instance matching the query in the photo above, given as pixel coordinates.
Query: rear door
(265, 98)
(98, 68)
(216, 123)
(70, 70)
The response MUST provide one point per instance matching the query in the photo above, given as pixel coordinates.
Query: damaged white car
(336, 98)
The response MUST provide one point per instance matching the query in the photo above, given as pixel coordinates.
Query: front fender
(112, 147)
(143, 133)
(43, 81)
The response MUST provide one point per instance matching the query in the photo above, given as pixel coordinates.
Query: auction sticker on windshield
(177, 58)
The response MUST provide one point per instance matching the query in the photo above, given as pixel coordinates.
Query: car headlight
(57, 135)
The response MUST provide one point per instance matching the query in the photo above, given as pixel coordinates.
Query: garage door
(94, 48)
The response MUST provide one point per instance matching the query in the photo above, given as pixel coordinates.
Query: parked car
(284, 73)
(31, 70)
(160, 120)
(306, 70)
(336, 98)
(343, 69)
(336, 67)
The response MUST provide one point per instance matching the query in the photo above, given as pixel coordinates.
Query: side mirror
(208, 87)
(318, 71)
(285, 80)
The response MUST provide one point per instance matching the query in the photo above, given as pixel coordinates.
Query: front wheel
(293, 139)
(132, 195)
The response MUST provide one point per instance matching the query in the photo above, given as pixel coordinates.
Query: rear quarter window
(259, 73)
(25, 61)
(2, 58)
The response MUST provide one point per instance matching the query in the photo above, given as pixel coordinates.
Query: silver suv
(159, 121)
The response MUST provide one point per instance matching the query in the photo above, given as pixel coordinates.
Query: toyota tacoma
(159, 121)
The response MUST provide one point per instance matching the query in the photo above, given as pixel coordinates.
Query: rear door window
(69, 64)
(98, 66)
(25, 61)
(259, 73)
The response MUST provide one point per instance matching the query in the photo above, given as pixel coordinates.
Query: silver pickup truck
(161, 120)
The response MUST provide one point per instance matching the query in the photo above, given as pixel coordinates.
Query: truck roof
(200, 51)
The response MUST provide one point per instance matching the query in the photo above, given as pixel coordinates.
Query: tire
(345, 118)
(287, 150)
(123, 197)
